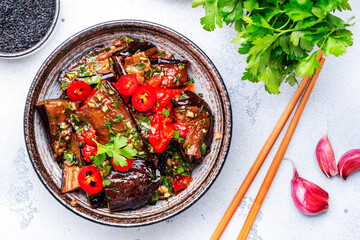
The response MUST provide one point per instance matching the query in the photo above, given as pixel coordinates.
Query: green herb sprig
(118, 149)
(281, 38)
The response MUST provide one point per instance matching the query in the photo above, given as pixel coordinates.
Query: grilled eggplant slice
(133, 45)
(54, 113)
(108, 115)
(194, 112)
(137, 65)
(175, 71)
(72, 163)
(95, 62)
(131, 189)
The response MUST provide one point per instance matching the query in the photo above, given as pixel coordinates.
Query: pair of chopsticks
(263, 154)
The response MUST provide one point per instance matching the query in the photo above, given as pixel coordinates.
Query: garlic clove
(325, 157)
(309, 198)
(349, 163)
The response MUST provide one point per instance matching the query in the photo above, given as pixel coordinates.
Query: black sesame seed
(24, 22)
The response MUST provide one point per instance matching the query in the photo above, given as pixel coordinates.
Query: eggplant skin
(97, 200)
(132, 189)
(135, 46)
(166, 61)
(191, 101)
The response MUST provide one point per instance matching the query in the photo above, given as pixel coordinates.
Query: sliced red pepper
(88, 151)
(161, 132)
(78, 91)
(162, 54)
(182, 129)
(89, 135)
(80, 138)
(127, 85)
(160, 109)
(154, 81)
(125, 168)
(180, 182)
(164, 95)
(126, 98)
(143, 99)
(90, 179)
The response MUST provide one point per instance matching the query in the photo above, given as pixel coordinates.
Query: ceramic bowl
(42, 41)
(207, 81)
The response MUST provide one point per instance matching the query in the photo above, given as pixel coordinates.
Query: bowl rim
(39, 44)
(100, 25)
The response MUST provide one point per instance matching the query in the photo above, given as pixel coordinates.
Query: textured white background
(29, 211)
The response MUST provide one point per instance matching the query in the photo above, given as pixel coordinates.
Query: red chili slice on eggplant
(127, 85)
(143, 99)
(78, 91)
(90, 179)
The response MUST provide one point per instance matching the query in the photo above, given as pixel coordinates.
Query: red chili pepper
(181, 182)
(143, 99)
(89, 135)
(164, 95)
(78, 91)
(88, 151)
(126, 98)
(125, 168)
(127, 85)
(160, 109)
(80, 138)
(154, 81)
(90, 179)
(161, 132)
(182, 129)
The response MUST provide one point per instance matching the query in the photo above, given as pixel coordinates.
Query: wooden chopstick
(261, 158)
(277, 159)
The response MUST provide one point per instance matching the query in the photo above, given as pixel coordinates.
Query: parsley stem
(284, 24)
(197, 3)
(327, 36)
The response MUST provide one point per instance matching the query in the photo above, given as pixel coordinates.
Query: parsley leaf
(212, 16)
(93, 80)
(118, 149)
(281, 37)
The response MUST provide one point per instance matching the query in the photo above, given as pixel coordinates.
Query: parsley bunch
(118, 149)
(281, 38)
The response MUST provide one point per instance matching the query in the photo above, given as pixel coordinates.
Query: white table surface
(29, 211)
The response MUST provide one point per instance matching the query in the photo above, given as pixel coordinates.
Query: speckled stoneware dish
(207, 81)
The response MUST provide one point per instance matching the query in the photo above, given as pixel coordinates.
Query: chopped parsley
(128, 39)
(166, 112)
(176, 134)
(70, 157)
(106, 182)
(203, 148)
(108, 124)
(64, 84)
(93, 80)
(118, 118)
(76, 118)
